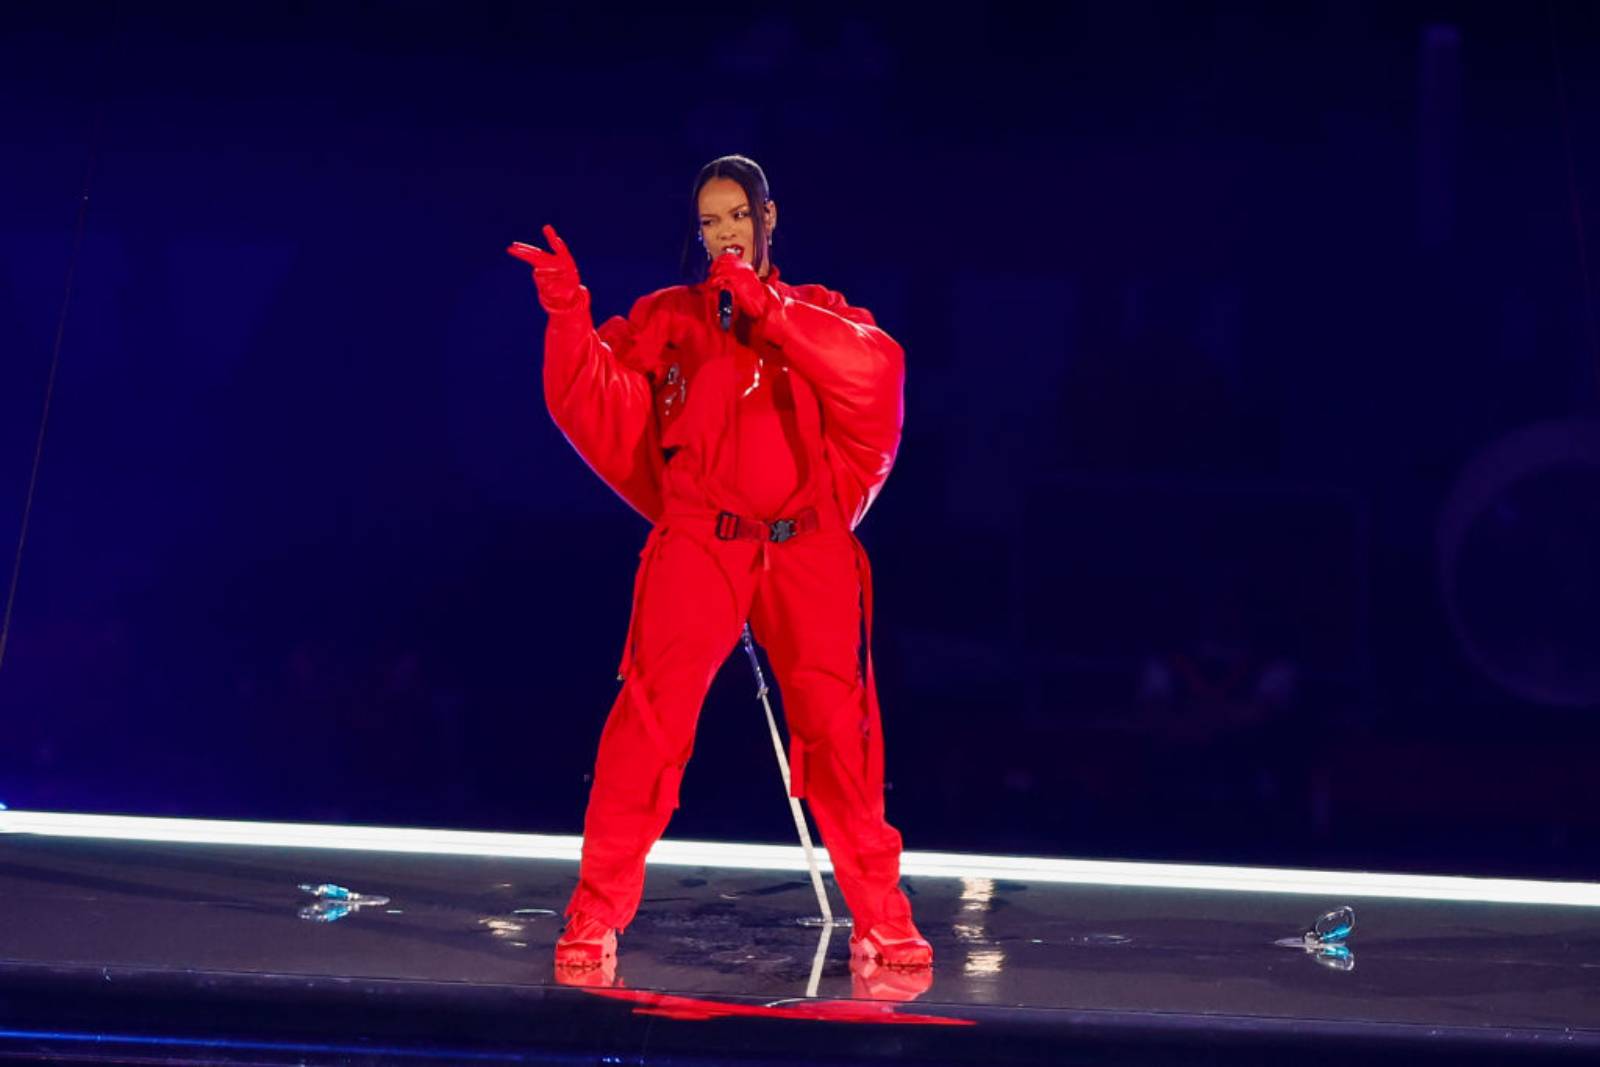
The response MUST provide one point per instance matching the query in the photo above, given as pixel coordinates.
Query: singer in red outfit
(752, 422)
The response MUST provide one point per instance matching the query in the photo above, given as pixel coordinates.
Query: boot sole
(868, 949)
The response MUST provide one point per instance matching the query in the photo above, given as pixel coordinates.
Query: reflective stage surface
(174, 951)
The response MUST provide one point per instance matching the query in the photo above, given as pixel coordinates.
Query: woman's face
(726, 221)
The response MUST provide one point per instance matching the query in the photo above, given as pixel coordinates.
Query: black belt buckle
(782, 530)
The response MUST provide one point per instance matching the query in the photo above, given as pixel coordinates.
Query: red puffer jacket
(666, 380)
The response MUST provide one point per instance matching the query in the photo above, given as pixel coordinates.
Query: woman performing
(753, 422)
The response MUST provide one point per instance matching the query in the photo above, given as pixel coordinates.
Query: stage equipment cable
(50, 381)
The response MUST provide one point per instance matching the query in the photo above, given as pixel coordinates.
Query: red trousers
(805, 599)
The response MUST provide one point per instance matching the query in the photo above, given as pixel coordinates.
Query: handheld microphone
(725, 301)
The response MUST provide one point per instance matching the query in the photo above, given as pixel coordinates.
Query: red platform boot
(585, 943)
(893, 943)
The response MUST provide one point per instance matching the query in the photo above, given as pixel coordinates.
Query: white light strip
(1342, 884)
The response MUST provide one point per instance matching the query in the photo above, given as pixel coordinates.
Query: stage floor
(177, 941)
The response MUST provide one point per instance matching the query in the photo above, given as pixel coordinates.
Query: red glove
(751, 295)
(554, 272)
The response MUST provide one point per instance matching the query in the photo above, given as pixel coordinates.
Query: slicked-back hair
(753, 180)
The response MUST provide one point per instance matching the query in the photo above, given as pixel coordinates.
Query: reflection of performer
(755, 436)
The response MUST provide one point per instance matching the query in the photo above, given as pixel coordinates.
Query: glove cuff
(773, 327)
(579, 304)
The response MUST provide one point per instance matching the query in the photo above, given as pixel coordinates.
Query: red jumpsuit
(799, 411)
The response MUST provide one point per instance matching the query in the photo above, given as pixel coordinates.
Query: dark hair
(747, 172)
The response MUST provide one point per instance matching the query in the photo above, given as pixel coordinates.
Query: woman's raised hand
(752, 295)
(554, 272)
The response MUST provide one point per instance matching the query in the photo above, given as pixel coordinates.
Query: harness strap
(731, 527)
(667, 783)
(872, 726)
(867, 775)
(670, 779)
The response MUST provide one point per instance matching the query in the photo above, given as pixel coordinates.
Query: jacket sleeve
(858, 371)
(600, 395)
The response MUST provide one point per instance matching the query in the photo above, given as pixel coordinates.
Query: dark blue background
(1211, 314)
